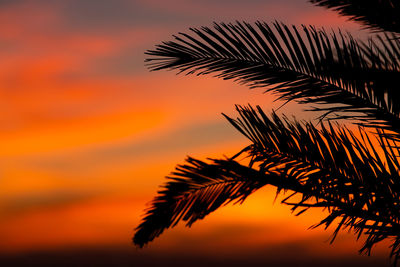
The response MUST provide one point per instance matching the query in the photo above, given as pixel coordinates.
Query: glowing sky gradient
(87, 134)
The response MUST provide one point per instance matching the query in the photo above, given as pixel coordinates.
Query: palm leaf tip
(195, 190)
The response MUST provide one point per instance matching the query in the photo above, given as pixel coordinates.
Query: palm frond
(375, 14)
(196, 189)
(353, 80)
(357, 182)
(328, 167)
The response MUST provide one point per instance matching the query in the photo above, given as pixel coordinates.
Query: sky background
(87, 135)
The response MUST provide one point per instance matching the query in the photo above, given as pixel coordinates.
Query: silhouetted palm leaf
(329, 168)
(376, 14)
(355, 180)
(196, 189)
(355, 80)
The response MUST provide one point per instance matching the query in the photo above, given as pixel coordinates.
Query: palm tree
(327, 165)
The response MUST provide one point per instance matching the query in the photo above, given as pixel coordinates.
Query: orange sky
(87, 133)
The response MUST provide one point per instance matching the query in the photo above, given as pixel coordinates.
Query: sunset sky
(87, 135)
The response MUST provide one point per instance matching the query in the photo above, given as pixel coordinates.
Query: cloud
(104, 16)
(36, 201)
(174, 141)
(5, 3)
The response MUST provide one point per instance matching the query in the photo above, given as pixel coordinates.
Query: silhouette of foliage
(354, 176)
(328, 167)
(347, 76)
(375, 14)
